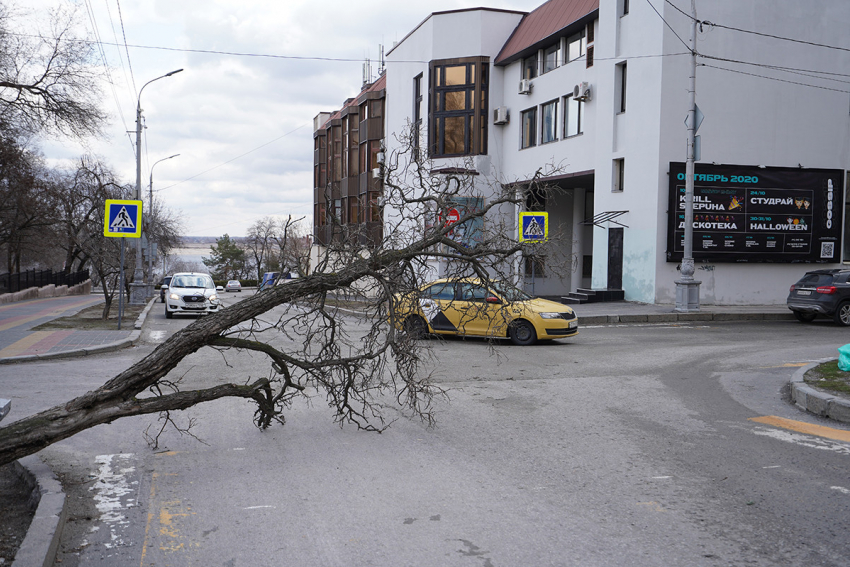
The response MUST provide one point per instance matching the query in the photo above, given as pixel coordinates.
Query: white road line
(804, 440)
(841, 489)
(113, 494)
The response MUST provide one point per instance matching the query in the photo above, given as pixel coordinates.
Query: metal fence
(10, 283)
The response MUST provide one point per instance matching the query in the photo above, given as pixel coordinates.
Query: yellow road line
(803, 427)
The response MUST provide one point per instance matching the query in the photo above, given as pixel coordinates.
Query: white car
(233, 285)
(191, 293)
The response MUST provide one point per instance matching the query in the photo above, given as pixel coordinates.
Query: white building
(605, 97)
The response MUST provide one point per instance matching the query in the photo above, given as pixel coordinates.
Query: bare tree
(293, 245)
(259, 244)
(311, 346)
(47, 80)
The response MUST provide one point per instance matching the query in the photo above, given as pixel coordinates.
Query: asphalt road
(629, 445)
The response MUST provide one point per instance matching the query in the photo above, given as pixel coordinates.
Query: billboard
(745, 213)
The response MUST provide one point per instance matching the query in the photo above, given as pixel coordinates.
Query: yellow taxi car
(469, 307)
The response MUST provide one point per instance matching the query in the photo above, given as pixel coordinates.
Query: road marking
(803, 427)
(258, 507)
(158, 336)
(111, 490)
(841, 489)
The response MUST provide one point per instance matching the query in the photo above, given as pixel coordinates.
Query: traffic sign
(533, 227)
(123, 218)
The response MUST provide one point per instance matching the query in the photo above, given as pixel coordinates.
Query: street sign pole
(120, 285)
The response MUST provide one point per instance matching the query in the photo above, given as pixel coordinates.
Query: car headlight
(551, 315)
(174, 296)
(213, 297)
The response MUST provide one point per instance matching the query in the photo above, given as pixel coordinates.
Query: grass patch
(827, 376)
(89, 319)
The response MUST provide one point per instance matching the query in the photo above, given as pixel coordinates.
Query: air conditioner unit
(376, 173)
(582, 91)
(501, 116)
(525, 86)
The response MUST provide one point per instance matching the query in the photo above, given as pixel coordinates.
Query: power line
(233, 159)
(668, 25)
(772, 36)
(775, 79)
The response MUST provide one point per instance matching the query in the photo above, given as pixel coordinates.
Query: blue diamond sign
(533, 227)
(123, 218)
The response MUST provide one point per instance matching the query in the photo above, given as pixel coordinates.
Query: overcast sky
(242, 125)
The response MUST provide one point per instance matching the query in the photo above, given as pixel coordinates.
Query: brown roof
(545, 21)
(378, 85)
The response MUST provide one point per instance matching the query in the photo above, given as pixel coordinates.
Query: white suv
(191, 293)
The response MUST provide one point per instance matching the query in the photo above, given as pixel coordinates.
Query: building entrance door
(615, 258)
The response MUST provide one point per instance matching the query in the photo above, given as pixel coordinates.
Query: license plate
(804, 292)
(194, 307)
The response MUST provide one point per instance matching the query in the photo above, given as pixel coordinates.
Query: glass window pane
(529, 128)
(455, 136)
(455, 75)
(455, 100)
(549, 119)
(551, 59)
(572, 119)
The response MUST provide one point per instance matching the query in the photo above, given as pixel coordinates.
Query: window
(416, 134)
(573, 110)
(551, 57)
(619, 175)
(624, 8)
(576, 46)
(529, 128)
(443, 290)
(459, 107)
(535, 266)
(353, 210)
(549, 122)
(529, 67)
(473, 292)
(620, 86)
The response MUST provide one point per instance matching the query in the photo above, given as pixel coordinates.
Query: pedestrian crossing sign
(533, 227)
(123, 218)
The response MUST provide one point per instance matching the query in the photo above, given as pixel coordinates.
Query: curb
(680, 318)
(817, 402)
(108, 347)
(42, 540)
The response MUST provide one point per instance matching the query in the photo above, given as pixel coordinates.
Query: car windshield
(509, 292)
(200, 282)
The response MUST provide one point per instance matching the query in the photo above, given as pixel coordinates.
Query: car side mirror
(495, 300)
(163, 286)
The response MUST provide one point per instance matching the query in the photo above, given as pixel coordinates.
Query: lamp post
(150, 218)
(687, 288)
(139, 291)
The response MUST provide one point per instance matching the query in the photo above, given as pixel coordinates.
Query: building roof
(543, 22)
(379, 85)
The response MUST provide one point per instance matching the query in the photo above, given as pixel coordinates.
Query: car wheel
(168, 314)
(522, 333)
(415, 327)
(804, 317)
(842, 314)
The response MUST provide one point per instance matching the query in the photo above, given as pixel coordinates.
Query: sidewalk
(612, 312)
(20, 343)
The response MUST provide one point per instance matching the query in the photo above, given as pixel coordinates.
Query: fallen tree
(382, 361)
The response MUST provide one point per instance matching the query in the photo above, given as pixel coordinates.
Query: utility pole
(687, 289)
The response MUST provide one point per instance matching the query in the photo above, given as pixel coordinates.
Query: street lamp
(150, 218)
(138, 289)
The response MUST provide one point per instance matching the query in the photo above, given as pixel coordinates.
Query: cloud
(242, 125)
